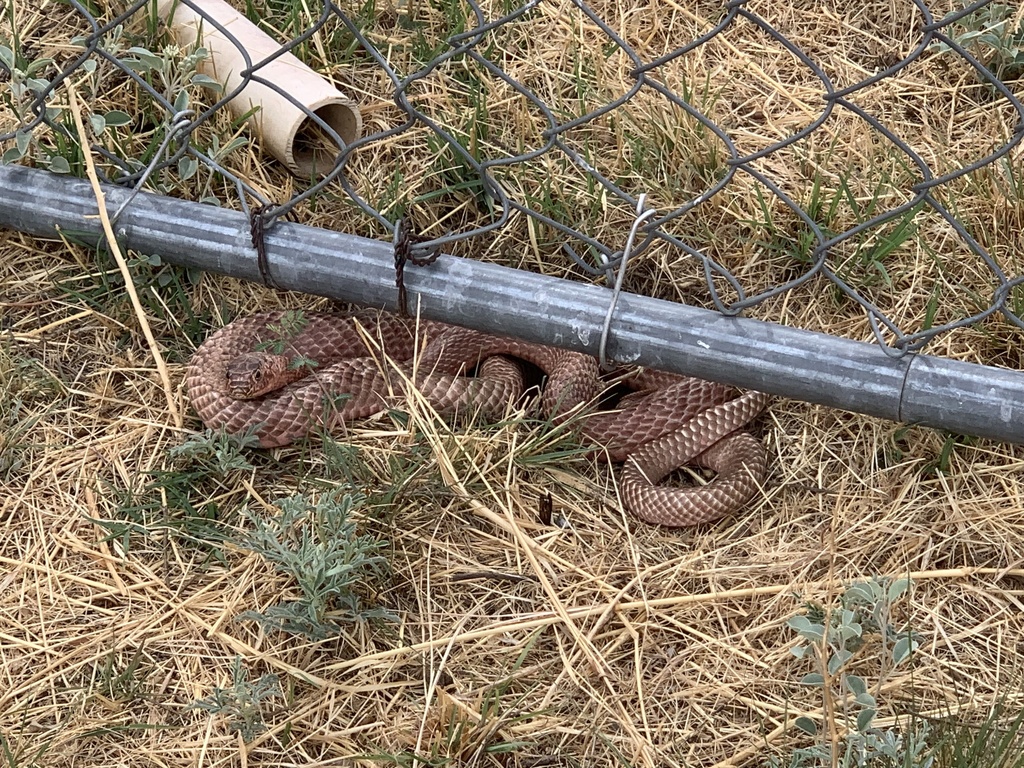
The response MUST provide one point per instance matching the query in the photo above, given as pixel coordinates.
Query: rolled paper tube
(286, 129)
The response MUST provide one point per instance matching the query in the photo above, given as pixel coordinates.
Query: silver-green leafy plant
(837, 640)
(243, 703)
(26, 85)
(332, 565)
(994, 34)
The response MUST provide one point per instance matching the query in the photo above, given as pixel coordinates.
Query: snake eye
(257, 375)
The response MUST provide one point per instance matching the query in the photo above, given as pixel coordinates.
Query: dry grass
(602, 642)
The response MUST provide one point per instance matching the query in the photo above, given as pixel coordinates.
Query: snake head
(254, 374)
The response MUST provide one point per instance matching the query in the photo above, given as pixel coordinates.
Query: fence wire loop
(641, 217)
(403, 242)
(179, 130)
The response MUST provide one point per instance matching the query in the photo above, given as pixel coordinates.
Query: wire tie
(641, 217)
(403, 242)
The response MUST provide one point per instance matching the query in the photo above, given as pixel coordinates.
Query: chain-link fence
(557, 138)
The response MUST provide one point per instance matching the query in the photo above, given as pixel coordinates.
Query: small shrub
(834, 639)
(317, 546)
(243, 703)
(994, 37)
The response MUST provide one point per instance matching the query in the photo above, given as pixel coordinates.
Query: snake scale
(285, 378)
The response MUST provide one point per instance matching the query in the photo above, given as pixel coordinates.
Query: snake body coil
(328, 369)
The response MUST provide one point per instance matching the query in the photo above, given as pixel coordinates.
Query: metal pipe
(854, 376)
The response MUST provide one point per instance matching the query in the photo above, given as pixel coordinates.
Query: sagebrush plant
(27, 90)
(288, 327)
(172, 72)
(216, 452)
(317, 545)
(244, 703)
(26, 79)
(854, 634)
(169, 70)
(995, 35)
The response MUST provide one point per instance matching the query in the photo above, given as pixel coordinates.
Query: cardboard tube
(287, 131)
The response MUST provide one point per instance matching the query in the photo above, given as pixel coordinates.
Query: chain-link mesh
(493, 138)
